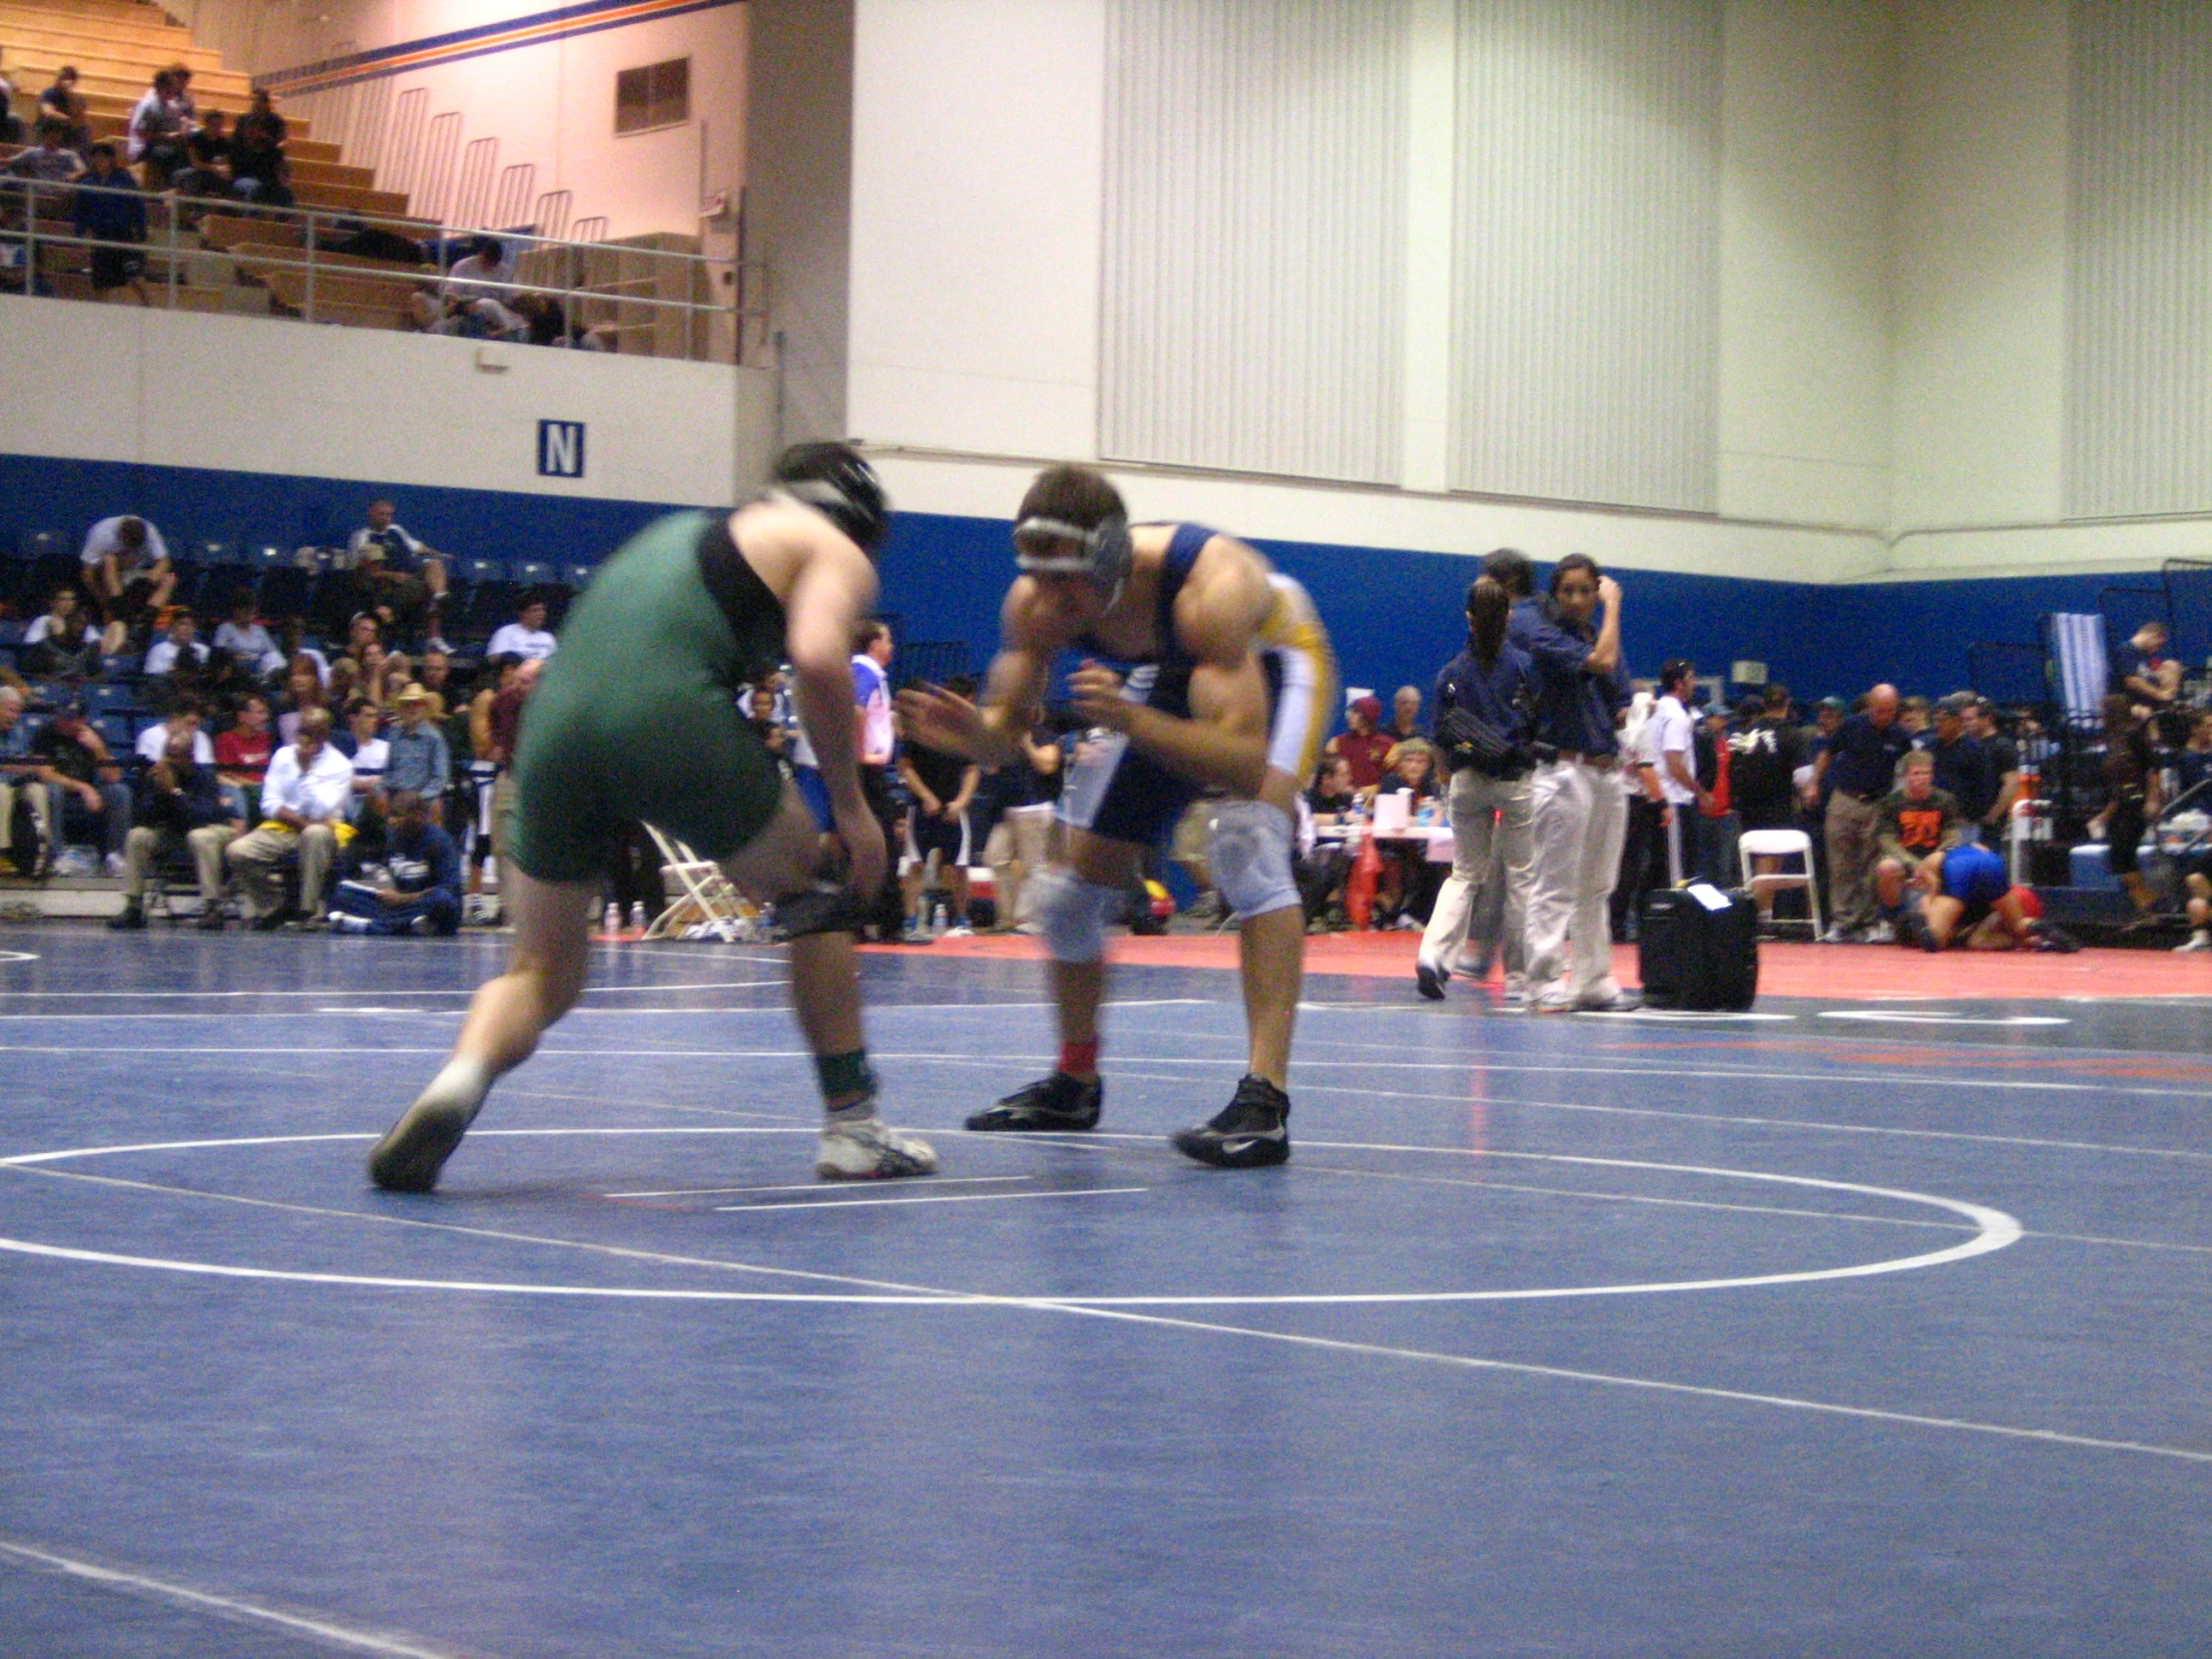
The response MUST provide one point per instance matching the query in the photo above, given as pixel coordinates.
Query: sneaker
(1881, 933)
(2196, 941)
(132, 920)
(1429, 979)
(869, 1148)
(1618, 1002)
(117, 867)
(342, 922)
(1554, 1002)
(1051, 1103)
(960, 932)
(1513, 1000)
(1251, 1131)
(1840, 934)
(414, 1149)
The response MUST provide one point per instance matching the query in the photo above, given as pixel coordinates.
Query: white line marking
(237, 1607)
(1994, 1230)
(1887, 1016)
(1687, 1016)
(18, 955)
(918, 1197)
(1745, 1396)
(810, 1187)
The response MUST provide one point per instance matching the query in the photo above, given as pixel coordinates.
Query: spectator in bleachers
(435, 678)
(1964, 769)
(775, 736)
(2193, 759)
(64, 103)
(484, 273)
(404, 577)
(2133, 798)
(305, 801)
(241, 755)
(260, 172)
(1857, 771)
(247, 640)
(420, 892)
(50, 160)
(1363, 746)
(363, 742)
(11, 124)
(110, 210)
(126, 567)
(63, 643)
(160, 123)
(292, 640)
(206, 169)
(184, 720)
(84, 792)
(2145, 673)
(417, 758)
(302, 691)
(525, 637)
(1916, 820)
(1406, 717)
(180, 647)
(1405, 898)
(179, 807)
(22, 797)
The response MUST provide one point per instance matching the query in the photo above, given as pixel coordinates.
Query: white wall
(977, 172)
(549, 105)
(361, 403)
(1807, 169)
(798, 199)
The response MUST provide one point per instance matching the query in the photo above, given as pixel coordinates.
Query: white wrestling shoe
(869, 1148)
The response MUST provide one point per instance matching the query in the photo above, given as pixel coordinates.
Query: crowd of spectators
(268, 768)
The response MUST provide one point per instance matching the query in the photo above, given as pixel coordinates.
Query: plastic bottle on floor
(637, 917)
(611, 922)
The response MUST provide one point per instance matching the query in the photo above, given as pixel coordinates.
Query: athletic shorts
(636, 720)
(1121, 794)
(949, 841)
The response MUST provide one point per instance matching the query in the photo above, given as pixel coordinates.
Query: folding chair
(1781, 843)
(709, 903)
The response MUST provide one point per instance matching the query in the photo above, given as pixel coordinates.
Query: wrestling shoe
(414, 1149)
(2199, 940)
(1429, 979)
(869, 1148)
(1050, 1103)
(1251, 1131)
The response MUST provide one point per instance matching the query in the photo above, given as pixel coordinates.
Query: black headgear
(832, 479)
(1040, 549)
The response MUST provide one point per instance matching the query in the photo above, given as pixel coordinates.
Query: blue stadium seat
(576, 576)
(39, 544)
(218, 553)
(533, 573)
(117, 732)
(268, 556)
(110, 700)
(12, 632)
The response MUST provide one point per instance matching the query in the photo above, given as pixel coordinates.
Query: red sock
(1079, 1059)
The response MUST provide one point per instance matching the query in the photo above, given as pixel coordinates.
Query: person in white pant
(1674, 748)
(1577, 809)
(1493, 686)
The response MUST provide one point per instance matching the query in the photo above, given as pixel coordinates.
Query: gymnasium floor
(1851, 1328)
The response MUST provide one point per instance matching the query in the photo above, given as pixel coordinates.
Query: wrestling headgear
(832, 479)
(1054, 547)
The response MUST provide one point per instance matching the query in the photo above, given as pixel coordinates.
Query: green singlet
(636, 716)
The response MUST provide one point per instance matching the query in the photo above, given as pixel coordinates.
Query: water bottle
(637, 916)
(937, 922)
(611, 922)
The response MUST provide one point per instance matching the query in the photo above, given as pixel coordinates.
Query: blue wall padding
(1396, 616)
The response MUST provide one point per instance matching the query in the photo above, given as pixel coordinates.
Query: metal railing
(615, 296)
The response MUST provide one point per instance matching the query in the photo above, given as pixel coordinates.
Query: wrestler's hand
(1095, 692)
(942, 720)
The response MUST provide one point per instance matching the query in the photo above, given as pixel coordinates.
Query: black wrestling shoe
(1251, 1131)
(1429, 981)
(1051, 1103)
(414, 1149)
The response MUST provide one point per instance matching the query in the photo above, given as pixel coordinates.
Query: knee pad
(1074, 914)
(1250, 854)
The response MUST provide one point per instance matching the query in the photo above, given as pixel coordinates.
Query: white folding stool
(1781, 843)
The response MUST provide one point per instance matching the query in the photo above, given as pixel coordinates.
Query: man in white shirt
(182, 640)
(306, 797)
(1673, 740)
(128, 572)
(184, 717)
(526, 638)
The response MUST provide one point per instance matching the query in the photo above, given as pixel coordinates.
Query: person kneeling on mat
(1967, 899)
(1228, 680)
(421, 890)
(637, 720)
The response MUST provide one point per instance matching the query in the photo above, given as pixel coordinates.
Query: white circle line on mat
(1995, 1230)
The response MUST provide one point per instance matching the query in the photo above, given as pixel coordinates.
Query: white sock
(464, 1082)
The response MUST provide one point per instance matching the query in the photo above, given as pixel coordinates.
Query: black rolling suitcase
(1699, 948)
